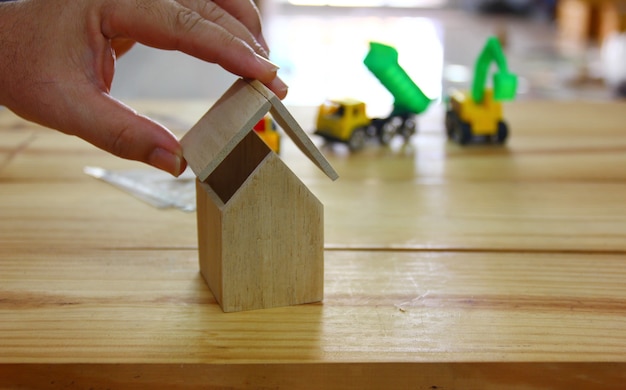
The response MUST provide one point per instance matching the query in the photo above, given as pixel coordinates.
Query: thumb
(116, 128)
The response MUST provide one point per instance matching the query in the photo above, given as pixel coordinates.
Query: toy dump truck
(346, 120)
(478, 115)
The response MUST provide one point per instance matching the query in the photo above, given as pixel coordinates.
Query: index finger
(168, 25)
(212, 12)
(247, 13)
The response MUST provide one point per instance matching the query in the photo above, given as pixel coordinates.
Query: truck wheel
(387, 132)
(451, 120)
(503, 132)
(409, 128)
(357, 140)
(463, 133)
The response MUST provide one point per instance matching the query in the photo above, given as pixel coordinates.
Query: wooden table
(446, 267)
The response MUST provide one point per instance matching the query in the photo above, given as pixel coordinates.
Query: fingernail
(279, 87)
(166, 160)
(267, 62)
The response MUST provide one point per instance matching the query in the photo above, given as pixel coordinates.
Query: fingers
(204, 31)
(121, 46)
(212, 12)
(135, 137)
(247, 13)
(124, 133)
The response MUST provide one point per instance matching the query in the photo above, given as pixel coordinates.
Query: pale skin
(57, 61)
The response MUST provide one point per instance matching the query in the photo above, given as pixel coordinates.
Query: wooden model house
(260, 229)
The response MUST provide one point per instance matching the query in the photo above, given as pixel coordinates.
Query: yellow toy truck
(344, 121)
(478, 115)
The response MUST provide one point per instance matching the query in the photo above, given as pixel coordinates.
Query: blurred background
(561, 49)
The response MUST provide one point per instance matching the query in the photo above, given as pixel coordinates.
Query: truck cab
(343, 120)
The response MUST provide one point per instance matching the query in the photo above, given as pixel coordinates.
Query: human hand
(57, 62)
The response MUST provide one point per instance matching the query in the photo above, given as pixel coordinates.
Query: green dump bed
(382, 61)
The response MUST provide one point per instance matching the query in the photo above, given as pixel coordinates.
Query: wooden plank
(525, 216)
(86, 213)
(152, 306)
(357, 376)
(476, 216)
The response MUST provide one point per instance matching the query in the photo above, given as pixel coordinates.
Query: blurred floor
(320, 52)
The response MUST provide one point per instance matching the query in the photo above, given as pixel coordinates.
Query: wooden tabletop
(447, 267)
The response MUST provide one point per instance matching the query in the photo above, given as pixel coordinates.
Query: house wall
(271, 242)
(209, 215)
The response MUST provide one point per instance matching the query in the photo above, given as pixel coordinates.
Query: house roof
(233, 116)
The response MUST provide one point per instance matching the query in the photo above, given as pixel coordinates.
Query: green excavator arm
(382, 61)
(504, 82)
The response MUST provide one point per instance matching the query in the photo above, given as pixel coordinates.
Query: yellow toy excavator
(479, 115)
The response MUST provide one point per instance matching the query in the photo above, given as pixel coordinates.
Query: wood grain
(264, 247)
(151, 306)
(260, 230)
(356, 376)
(446, 267)
(220, 130)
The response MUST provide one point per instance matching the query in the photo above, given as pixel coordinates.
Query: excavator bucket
(504, 85)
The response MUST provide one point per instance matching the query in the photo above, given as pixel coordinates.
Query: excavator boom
(504, 82)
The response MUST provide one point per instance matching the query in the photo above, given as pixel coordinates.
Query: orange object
(266, 129)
